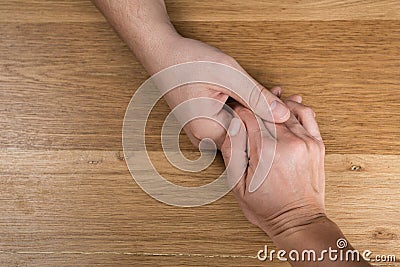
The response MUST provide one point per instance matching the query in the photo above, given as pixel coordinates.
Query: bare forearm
(144, 26)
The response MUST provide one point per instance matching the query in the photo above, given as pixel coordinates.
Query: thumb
(235, 155)
(257, 98)
(267, 105)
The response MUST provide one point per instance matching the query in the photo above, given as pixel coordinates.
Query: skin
(289, 204)
(145, 27)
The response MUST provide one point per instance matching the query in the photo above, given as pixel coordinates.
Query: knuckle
(321, 146)
(298, 145)
(307, 111)
(313, 145)
(316, 146)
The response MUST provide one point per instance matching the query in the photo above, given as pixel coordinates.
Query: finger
(212, 128)
(235, 155)
(261, 101)
(306, 117)
(294, 126)
(252, 128)
(276, 90)
(265, 161)
(204, 117)
(261, 148)
(232, 81)
(268, 106)
(295, 98)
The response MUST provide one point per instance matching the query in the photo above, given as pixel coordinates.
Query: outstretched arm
(144, 25)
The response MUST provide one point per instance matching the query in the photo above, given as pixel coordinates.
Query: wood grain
(78, 87)
(86, 201)
(309, 10)
(67, 197)
(209, 10)
(110, 259)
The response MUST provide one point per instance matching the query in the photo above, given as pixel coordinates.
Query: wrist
(324, 238)
(294, 217)
(318, 232)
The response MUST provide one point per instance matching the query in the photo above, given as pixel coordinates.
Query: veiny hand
(292, 194)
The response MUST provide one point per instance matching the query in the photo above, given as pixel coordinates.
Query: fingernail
(279, 110)
(234, 127)
(279, 91)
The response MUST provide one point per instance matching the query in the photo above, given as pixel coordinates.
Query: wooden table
(67, 197)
